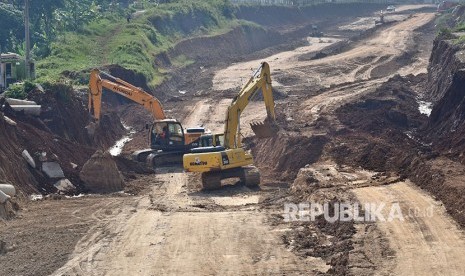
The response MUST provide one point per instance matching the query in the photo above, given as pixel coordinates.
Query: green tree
(11, 18)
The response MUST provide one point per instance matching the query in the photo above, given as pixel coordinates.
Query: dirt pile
(57, 137)
(63, 112)
(383, 132)
(101, 174)
(377, 128)
(285, 154)
(13, 169)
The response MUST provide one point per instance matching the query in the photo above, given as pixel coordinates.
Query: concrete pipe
(12, 101)
(3, 197)
(8, 189)
(28, 109)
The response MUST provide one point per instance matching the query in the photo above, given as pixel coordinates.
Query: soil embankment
(57, 137)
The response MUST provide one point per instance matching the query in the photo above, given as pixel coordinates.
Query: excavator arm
(260, 80)
(100, 80)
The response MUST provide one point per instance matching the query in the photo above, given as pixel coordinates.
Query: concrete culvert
(101, 175)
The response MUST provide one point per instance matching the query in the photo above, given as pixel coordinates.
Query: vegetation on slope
(134, 44)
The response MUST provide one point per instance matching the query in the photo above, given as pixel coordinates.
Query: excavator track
(251, 176)
(211, 180)
(164, 159)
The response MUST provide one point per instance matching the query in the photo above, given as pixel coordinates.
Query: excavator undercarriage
(249, 176)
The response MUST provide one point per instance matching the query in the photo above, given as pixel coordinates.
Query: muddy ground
(350, 128)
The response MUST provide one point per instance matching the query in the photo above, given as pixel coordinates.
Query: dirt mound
(377, 128)
(57, 135)
(108, 131)
(377, 140)
(130, 76)
(101, 175)
(13, 168)
(63, 112)
(285, 154)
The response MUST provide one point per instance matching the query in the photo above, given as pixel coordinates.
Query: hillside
(135, 43)
(149, 42)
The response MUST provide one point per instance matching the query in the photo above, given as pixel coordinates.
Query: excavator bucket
(264, 129)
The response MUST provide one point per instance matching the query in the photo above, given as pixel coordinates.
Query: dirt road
(354, 65)
(178, 230)
(427, 242)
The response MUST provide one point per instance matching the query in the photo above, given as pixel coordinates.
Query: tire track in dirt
(337, 69)
(426, 243)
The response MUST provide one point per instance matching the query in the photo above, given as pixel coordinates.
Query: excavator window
(160, 132)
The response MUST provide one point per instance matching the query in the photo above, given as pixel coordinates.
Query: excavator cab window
(216, 140)
(167, 134)
(219, 140)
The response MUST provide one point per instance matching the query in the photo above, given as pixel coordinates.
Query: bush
(20, 90)
(445, 33)
(16, 91)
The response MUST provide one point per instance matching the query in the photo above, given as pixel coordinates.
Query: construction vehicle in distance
(221, 155)
(316, 32)
(167, 138)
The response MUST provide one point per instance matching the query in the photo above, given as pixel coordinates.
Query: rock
(28, 109)
(4, 197)
(9, 121)
(12, 101)
(101, 175)
(28, 158)
(64, 185)
(73, 165)
(8, 189)
(52, 170)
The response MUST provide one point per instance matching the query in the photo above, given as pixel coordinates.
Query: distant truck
(316, 32)
(391, 8)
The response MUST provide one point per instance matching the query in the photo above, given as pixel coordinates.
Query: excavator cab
(167, 135)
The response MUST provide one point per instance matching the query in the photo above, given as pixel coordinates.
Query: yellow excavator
(221, 156)
(167, 138)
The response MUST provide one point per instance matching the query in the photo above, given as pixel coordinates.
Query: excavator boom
(261, 79)
(97, 83)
